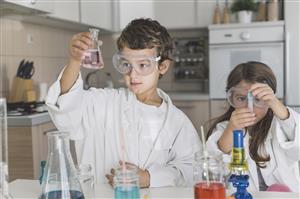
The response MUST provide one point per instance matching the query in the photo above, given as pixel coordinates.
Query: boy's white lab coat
(95, 118)
(283, 146)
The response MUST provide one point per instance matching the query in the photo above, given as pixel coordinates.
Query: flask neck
(58, 142)
(94, 33)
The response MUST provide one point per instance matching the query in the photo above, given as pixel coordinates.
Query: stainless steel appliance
(190, 67)
(232, 44)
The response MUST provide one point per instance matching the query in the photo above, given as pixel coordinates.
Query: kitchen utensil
(20, 68)
(217, 14)
(261, 16)
(273, 10)
(226, 14)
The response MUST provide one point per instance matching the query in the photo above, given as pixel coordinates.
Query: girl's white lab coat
(95, 118)
(283, 146)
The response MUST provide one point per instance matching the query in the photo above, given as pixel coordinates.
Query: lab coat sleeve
(179, 170)
(288, 134)
(73, 111)
(212, 142)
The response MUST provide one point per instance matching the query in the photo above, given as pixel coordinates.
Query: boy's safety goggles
(241, 98)
(141, 64)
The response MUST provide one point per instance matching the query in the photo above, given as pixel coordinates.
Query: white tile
(6, 47)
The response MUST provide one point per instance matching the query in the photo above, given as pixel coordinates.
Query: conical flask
(60, 180)
(4, 194)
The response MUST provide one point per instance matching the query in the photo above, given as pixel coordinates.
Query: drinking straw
(205, 153)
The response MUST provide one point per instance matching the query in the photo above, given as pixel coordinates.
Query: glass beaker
(60, 180)
(3, 153)
(208, 177)
(92, 58)
(126, 184)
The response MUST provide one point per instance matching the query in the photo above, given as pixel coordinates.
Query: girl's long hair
(252, 72)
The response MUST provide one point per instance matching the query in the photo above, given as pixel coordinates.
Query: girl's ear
(164, 66)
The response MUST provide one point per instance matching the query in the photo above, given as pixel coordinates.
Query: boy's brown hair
(146, 34)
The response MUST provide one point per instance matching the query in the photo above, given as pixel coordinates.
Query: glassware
(86, 179)
(126, 184)
(240, 97)
(208, 177)
(3, 153)
(60, 180)
(92, 57)
(238, 163)
(143, 65)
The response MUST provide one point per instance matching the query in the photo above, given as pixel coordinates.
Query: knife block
(22, 91)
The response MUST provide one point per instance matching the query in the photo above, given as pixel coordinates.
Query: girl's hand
(265, 93)
(144, 176)
(241, 118)
(78, 45)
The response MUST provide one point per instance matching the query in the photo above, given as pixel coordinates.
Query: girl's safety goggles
(241, 98)
(141, 64)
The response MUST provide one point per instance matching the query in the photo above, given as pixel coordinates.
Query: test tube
(250, 100)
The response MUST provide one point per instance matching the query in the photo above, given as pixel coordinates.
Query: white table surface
(27, 189)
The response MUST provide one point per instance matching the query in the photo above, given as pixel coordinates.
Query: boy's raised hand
(78, 45)
(241, 118)
(144, 176)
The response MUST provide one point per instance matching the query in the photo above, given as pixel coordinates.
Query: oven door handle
(246, 45)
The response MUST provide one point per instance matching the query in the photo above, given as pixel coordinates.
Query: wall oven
(232, 44)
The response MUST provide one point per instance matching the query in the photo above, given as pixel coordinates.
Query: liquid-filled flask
(60, 180)
(92, 58)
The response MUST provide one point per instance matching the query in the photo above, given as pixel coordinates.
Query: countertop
(188, 96)
(31, 189)
(28, 120)
(40, 118)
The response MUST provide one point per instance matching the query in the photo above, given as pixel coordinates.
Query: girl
(272, 129)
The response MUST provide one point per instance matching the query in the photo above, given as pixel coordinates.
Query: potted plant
(244, 10)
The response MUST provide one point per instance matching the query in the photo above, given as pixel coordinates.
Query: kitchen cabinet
(97, 13)
(175, 14)
(184, 14)
(197, 111)
(38, 5)
(171, 14)
(204, 12)
(125, 11)
(66, 10)
(27, 147)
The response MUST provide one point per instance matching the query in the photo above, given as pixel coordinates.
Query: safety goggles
(141, 64)
(241, 98)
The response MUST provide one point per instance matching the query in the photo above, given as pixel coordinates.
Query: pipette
(250, 100)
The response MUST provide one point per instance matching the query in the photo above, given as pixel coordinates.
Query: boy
(159, 139)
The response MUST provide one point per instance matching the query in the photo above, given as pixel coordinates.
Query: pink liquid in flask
(92, 59)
